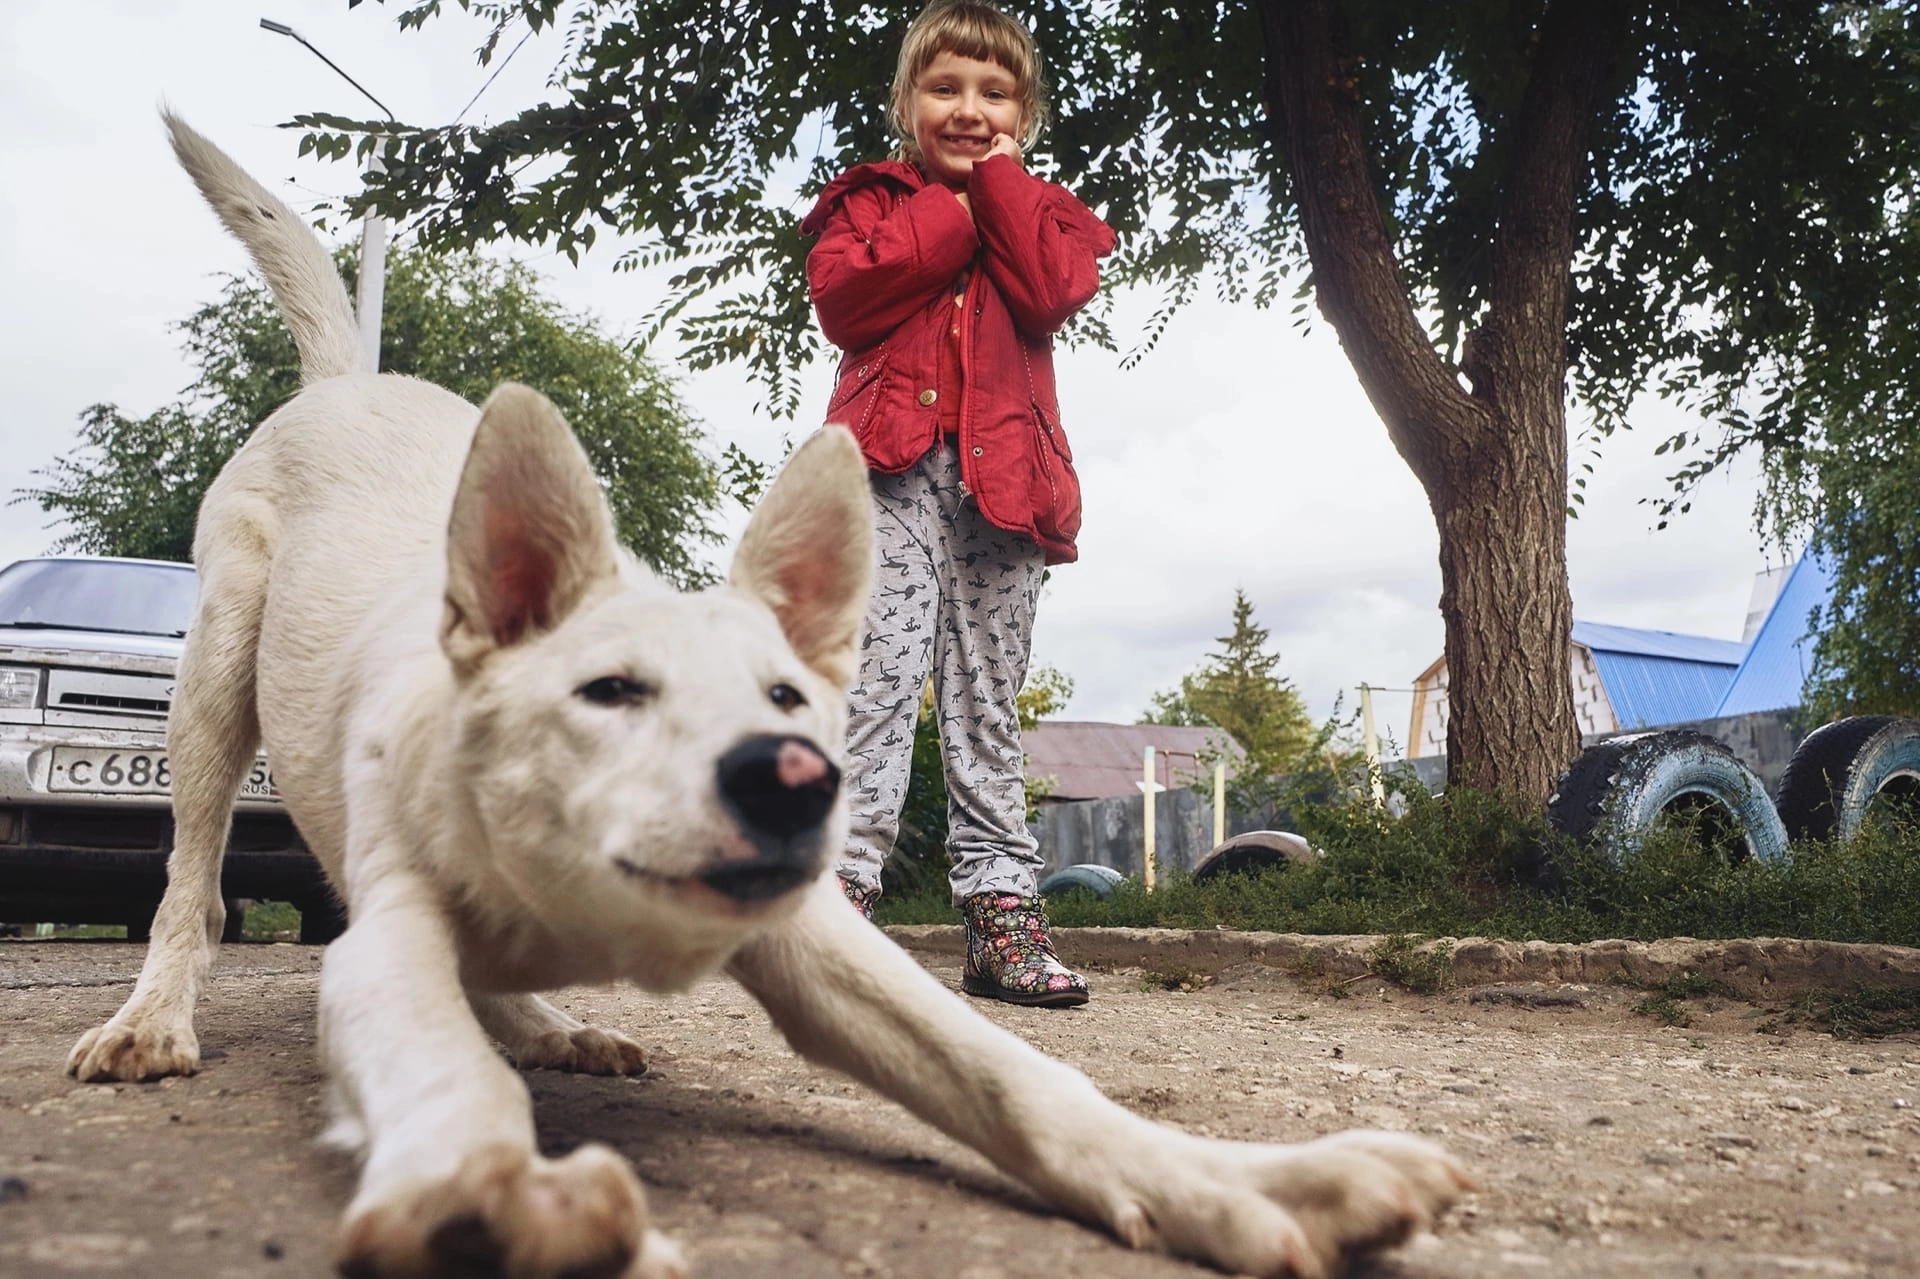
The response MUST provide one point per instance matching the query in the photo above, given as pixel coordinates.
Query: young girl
(942, 274)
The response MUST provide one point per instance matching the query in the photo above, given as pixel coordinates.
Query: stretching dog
(525, 763)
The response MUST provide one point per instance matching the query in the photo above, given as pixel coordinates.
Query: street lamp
(373, 231)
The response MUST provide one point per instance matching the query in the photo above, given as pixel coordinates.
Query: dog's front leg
(847, 997)
(453, 1183)
(541, 1037)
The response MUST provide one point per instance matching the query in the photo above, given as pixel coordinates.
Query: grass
(1465, 864)
(266, 921)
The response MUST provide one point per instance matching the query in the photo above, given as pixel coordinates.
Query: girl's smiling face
(959, 105)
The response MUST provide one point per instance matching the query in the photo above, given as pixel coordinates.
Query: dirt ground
(1608, 1143)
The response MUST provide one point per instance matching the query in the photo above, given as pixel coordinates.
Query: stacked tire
(1620, 789)
(1846, 769)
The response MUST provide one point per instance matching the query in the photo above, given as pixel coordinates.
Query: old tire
(1087, 877)
(1841, 768)
(1619, 789)
(1253, 851)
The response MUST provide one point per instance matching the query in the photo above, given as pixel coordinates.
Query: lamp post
(373, 231)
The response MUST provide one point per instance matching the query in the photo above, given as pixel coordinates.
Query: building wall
(1427, 734)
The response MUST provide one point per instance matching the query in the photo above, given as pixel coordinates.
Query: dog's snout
(778, 786)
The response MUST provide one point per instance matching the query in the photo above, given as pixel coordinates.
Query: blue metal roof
(1659, 677)
(1775, 669)
(1632, 640)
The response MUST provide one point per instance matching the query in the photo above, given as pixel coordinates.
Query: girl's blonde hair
(969, 29)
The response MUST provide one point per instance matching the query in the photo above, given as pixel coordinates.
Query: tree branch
(1310, 89)
(1573, 72)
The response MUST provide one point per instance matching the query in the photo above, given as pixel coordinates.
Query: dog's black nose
(779, 787)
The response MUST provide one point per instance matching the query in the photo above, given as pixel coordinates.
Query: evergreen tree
(1239, 689)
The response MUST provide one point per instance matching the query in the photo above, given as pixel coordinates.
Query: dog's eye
(615, 690)
(786, 697)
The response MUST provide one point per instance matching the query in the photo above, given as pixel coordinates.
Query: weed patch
(1855, 1014)
(1175, 979)
(1397, 959)
(1664, 1009)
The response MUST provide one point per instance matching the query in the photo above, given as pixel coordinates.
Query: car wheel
(1255, 850)
(1087, 877)
(321, 922)
(1620, 789)
(1843, 768)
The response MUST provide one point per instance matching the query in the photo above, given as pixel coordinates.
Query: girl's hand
(1003, 144)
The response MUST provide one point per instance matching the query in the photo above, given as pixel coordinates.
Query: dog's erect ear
(529, 534)
(808, 552)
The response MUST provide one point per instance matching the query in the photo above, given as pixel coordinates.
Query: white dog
(526, 763)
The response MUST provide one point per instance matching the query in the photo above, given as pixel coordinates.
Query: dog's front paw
(1305, 1211)
(587, 1051)
(133, 1049)
(507, 1211)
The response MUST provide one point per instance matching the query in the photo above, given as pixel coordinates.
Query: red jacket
(882, 277)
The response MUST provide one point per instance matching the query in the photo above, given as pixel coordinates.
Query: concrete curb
(1759, 968)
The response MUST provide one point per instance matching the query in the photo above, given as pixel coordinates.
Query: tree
(464, 322)
(1862, 488)
(1500, 204)
(1237, 689)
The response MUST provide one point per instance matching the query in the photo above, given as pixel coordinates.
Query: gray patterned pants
(954, 596)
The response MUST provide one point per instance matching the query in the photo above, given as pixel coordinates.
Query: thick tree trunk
(1493, 459)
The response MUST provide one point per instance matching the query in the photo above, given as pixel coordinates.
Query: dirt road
(1608, 1142)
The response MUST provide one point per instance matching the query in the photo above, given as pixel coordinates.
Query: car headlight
(19, 687)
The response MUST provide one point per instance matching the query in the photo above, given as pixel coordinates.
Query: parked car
(88, 648)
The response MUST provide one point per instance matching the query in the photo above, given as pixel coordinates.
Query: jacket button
(977, 450)
(929, 395)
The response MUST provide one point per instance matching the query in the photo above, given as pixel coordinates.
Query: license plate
(104, 771)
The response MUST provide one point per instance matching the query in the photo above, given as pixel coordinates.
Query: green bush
(1467, 864)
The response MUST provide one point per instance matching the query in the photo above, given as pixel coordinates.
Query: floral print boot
(862, 899)
(1010, 956)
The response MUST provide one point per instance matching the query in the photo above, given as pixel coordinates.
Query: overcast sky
(1241, 453)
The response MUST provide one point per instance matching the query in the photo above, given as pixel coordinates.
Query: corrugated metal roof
(1643, 643)
(1649, 691)
(1659, 677)
(1775, 670)
(1088, 760)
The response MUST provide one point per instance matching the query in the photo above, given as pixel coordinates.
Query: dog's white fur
(416, 606)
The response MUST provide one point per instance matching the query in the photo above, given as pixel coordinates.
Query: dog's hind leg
(212, 735)
(541, 1037)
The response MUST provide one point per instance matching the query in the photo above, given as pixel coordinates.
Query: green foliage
(466, 323)
(1856, 493)
(1466, 864)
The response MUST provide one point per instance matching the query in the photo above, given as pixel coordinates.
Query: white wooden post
(1146, 811)
(1370, 744)
(1219, 802)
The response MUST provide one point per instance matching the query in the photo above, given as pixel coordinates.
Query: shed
(1626, 678)
(1091, 760)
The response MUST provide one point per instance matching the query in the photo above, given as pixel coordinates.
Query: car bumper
(84, 856)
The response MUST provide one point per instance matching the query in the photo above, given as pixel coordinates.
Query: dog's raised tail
(291, 258)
